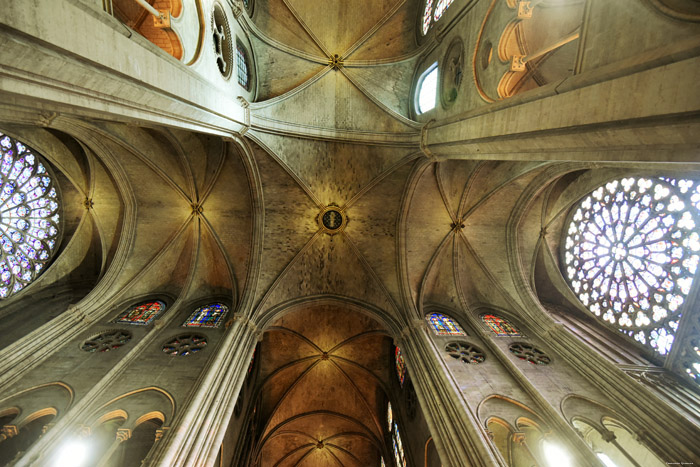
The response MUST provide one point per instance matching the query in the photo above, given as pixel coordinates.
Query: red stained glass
(141, 314)
(500, 326)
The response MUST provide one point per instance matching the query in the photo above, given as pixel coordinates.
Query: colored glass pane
(141, 314)
(242, 66)
(631, 253)
(29, 216)
(382, 462)
(500, 326)
(440, 7)
(252, 360)
(389, 416)
(398, 447)
(427, 16)
(400, 366)
(427, 89)
(207, 316)
(444, 325)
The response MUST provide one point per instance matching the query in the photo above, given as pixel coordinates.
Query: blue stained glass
(207, 316)
(29, 216)
(444, 325)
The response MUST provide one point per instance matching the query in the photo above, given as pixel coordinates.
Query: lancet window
(426, 97)
(396, 443)
(242, 66)
(400, 365)
(500, 326)
(443, 325)
(141, 314)
(432, 15)
(207, 316)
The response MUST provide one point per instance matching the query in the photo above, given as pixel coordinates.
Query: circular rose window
(631, 252)
(30, 222)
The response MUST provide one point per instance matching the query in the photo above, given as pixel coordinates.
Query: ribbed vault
(323, 386)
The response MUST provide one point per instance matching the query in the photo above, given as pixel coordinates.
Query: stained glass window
(382, 464)
(631, 252)
(252, 361)
(427, 89)
(185, 344)
(389, 416)
(141, 314)
(207, 316)
(242, 65)
(29, 216)
(427, 16)
(444, 325)
(500, 326)
(691, 360)
(398, 447)
(441, 7)
(400, 366)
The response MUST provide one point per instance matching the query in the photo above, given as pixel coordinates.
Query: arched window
(242, 69)
(207, 316)
(396, 443)
(444, 325)
(400, 366)
(440, 8)
(431, 16)
(141, 314)
(427, 17)
(30, 219)
(500, 326)
(426, 97)
(631, 252)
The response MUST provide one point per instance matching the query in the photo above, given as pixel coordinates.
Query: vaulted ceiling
(323, 389)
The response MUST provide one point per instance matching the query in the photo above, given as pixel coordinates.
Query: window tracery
(185, 344)
(440, 8)
(207, 316)
(106, 341)
(396, 443)
(141, 314)
(500, 326)
(242, 71)
(529, 353)
(30, 222)
(427, 17)
(631, 251)
(443, 325)
(465, 352)
(432, 15)
(400, 365)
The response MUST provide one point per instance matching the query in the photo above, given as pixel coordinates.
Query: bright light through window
(606, 460)
(427, 92)
(72, 454)
(555, 456)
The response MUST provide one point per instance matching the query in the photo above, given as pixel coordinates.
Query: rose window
(465, 352)
(185, 344)
(29, 216)
(631, 252)
(529, 353)
(106, 341)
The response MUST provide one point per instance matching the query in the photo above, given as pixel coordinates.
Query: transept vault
(349, 232)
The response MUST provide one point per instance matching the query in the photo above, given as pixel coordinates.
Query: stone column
(197, 432)
(459, 439)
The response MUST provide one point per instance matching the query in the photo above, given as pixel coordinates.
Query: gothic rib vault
(175, 189)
